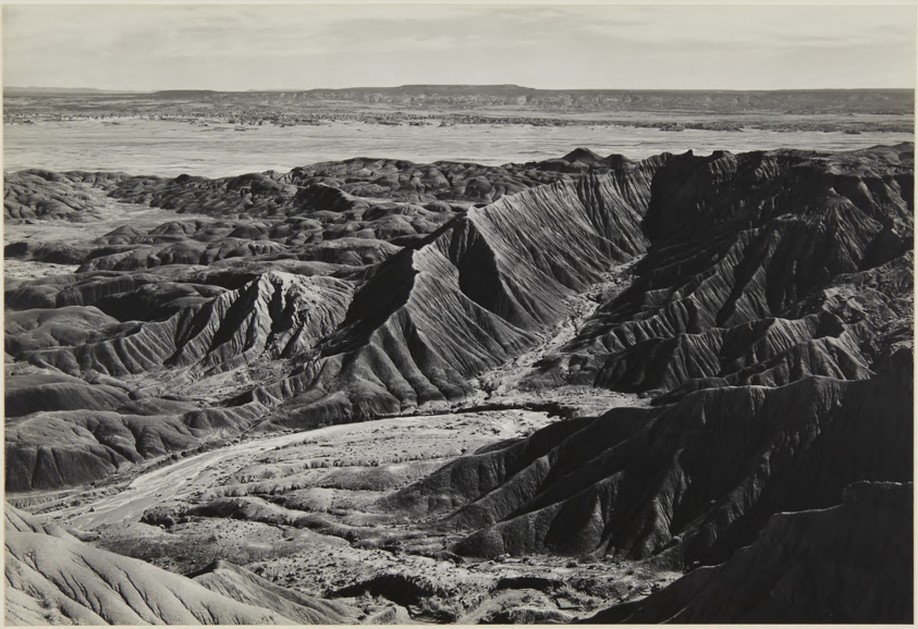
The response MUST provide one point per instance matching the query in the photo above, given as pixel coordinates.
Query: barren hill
(53, 578)
(759, 269)
(693, 480)
(724, 344)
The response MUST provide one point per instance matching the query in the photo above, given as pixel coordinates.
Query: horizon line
(52, 88)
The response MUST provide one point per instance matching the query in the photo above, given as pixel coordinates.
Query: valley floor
(301, 509)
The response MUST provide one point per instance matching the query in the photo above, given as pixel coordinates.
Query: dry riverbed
(301, 510)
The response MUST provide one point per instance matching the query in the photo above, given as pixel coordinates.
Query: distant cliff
(891, 101)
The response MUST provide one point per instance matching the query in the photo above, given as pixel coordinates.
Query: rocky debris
(239, 584)
(401, 589)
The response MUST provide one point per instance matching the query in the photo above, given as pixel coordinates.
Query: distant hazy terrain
(824, 110)
(230, 133)
(169, 148)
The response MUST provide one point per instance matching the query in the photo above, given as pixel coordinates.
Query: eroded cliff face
(696, 479)
(755, 269)
(473, 295)
(763, 268)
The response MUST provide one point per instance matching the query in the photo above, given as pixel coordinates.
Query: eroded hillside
(759, 304)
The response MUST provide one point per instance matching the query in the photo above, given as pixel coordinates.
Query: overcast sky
(233, 47)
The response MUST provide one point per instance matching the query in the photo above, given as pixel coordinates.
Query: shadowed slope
(755, 275)
(474, 294)
(846, 564)
(276, 313)
(702, 475)
(84, 429)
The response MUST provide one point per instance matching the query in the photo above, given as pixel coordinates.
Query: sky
(562, 46)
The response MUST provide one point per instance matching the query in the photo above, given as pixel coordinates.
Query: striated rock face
(763, 268)
(850, 563)
(472, 296)
(276, 314)
(762, 301)
(697, 479)
(74, 429)
(342, 291)
(48, 449)
(53, 578)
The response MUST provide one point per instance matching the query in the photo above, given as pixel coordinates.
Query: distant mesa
(821, 101)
